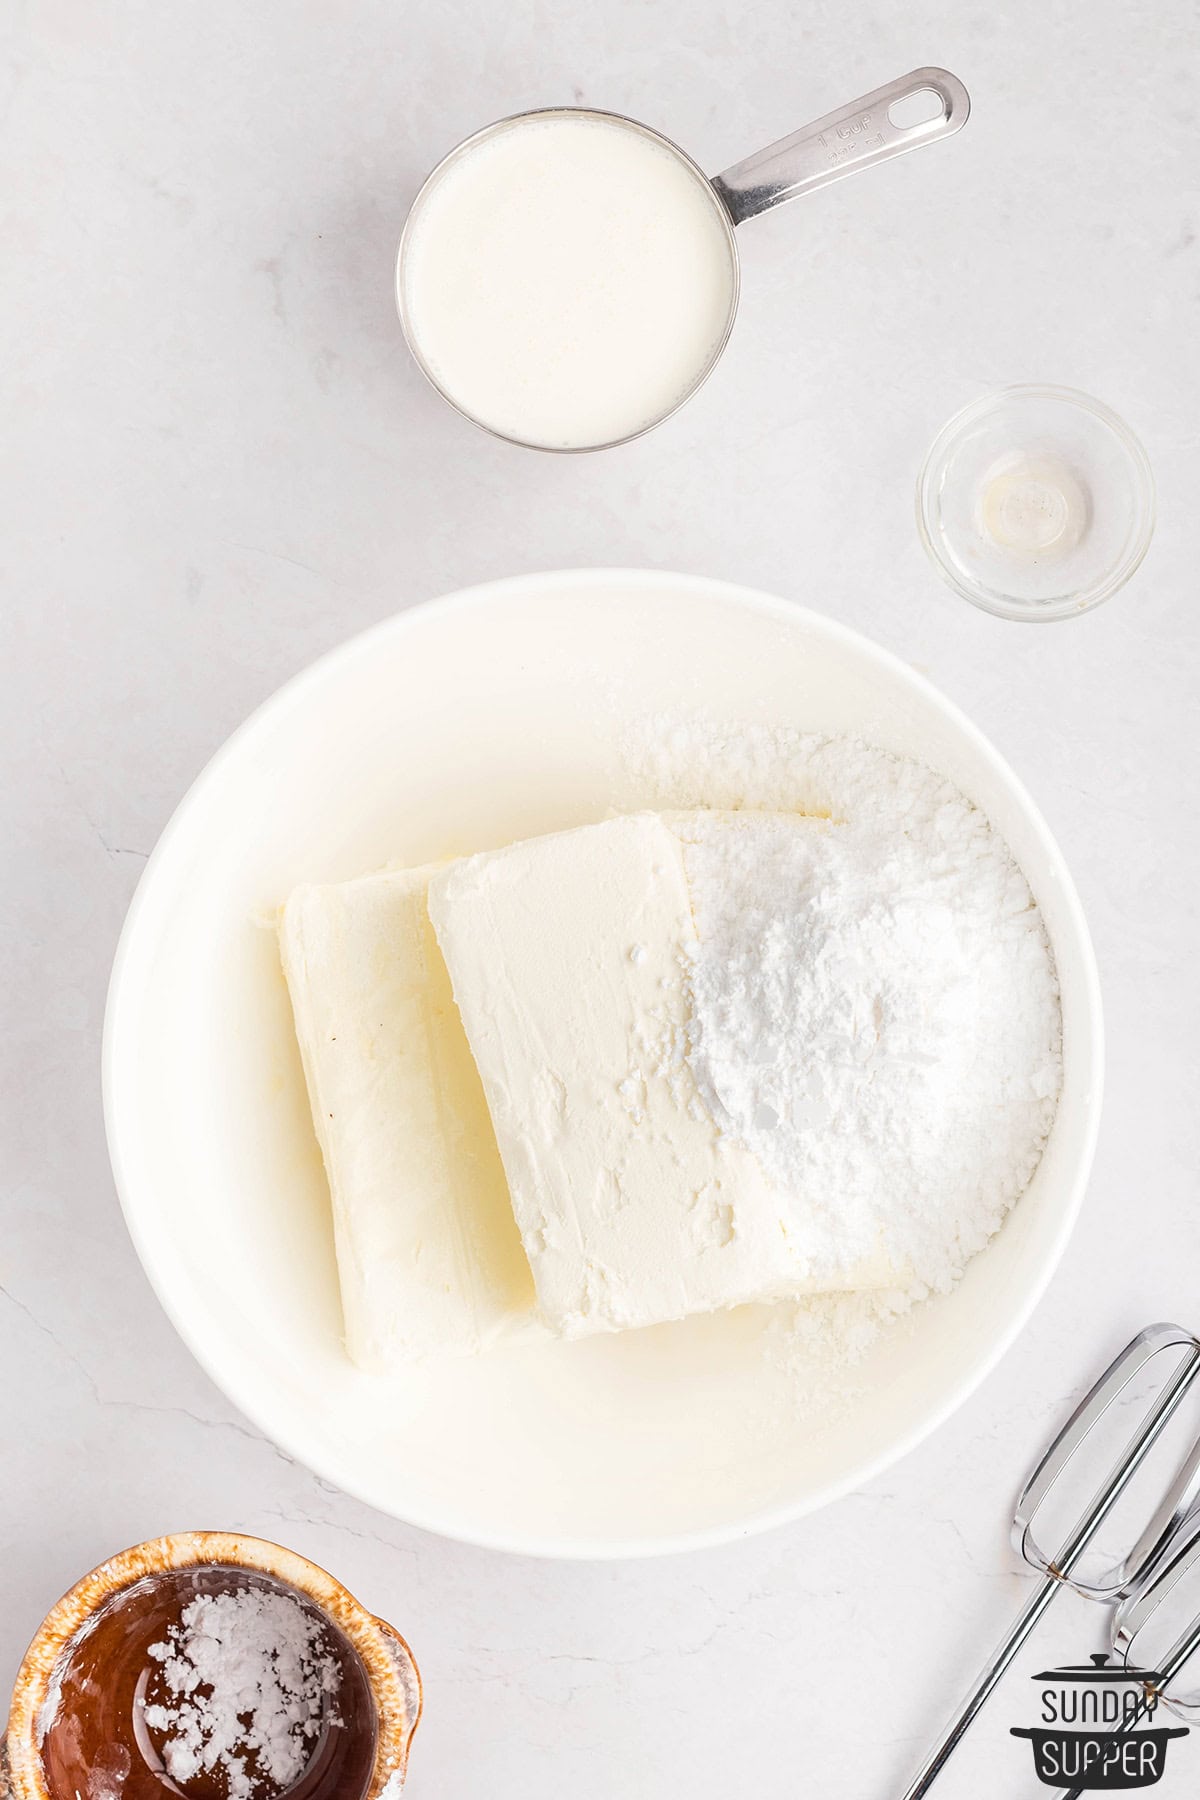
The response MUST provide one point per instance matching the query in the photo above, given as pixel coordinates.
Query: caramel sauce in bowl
(88, 1696)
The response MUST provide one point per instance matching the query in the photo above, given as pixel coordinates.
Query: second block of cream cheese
(567, 955)
(429, 1259)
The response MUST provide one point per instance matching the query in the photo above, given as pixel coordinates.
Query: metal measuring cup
(1061, 1568)
(857, 136)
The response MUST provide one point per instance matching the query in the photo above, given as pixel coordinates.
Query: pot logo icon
(1097, 1727)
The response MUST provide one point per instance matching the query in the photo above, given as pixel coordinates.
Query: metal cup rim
(542, 112)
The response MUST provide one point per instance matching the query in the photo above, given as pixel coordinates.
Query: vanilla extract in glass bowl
(1036, 503)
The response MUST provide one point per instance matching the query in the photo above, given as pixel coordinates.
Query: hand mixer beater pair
(1143, 1585)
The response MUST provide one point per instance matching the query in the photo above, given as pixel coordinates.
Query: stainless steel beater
(1150, 1594)
(1139, 1576)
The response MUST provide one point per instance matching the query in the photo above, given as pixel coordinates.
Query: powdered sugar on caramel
(247, 1679)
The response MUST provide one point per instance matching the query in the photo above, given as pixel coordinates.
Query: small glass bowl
(1035, 503)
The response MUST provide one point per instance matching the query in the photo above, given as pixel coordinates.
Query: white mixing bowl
(491, 715)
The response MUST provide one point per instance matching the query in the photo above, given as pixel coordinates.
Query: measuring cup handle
(843, 142)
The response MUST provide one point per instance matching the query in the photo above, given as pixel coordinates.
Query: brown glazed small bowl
(94, 1642)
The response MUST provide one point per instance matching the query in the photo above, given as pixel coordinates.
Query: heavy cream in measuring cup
(567, 279)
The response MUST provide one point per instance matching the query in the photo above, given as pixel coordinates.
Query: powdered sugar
(875, 1007)
(248, 1679)
(875, 1016)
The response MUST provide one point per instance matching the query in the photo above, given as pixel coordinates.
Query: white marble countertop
(220, 461)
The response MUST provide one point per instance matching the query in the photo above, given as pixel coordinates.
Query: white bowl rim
(291, 693)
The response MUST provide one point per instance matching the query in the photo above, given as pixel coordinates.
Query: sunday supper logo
(1096, 1727)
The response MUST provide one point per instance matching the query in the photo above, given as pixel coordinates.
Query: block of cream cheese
(567, 955)
(429, 1257)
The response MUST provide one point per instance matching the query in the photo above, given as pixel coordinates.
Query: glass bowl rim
(1035, 612)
